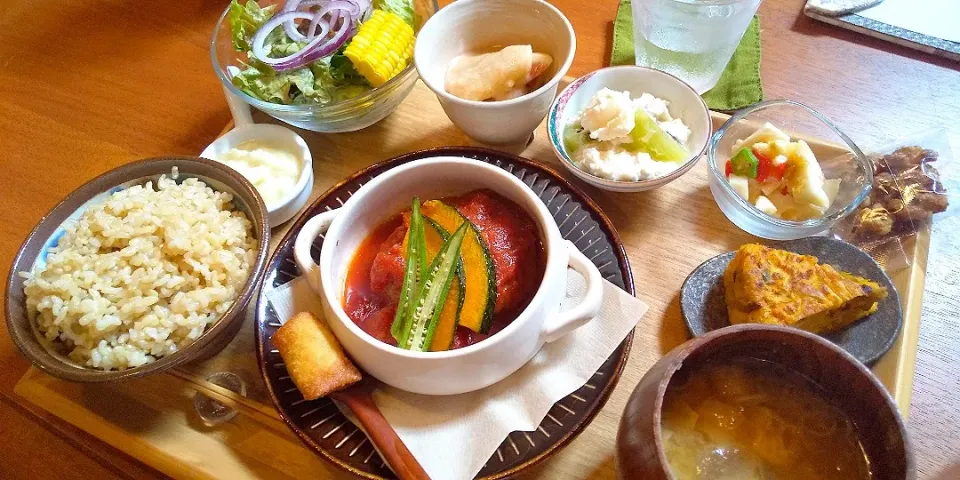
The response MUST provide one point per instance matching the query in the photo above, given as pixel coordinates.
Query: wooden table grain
(89, 85)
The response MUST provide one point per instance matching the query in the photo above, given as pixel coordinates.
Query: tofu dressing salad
(627, 139)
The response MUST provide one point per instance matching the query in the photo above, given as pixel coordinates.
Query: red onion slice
(290, 27)
(318, 48)
(259, 49)
(346, 13)
(324, 28)
(332, 8)
(356, 8)
(334, 18)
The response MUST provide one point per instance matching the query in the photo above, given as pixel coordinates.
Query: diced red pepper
(763, 168)
(766, 169)
(780, 170)
(728, 169)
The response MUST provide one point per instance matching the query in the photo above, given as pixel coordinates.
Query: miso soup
(752, 419)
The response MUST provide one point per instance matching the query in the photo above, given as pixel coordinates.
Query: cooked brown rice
(142, 274)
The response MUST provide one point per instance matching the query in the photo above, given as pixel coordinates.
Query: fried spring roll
(314, 358)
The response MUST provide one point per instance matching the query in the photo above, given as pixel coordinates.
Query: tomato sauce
(368, 308)
(376, 271)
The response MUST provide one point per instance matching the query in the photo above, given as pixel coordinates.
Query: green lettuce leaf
(279, 45)
(342, 69)
(335, 79)
(327, 80)
(275, 87)
(245, 20)
(402, 8)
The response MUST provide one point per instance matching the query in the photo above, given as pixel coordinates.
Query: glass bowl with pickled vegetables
(321, 65)
(781, 170)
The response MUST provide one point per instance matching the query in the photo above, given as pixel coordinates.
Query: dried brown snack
(872, 222)
(903, 159)
(906, 192)
(932, 202)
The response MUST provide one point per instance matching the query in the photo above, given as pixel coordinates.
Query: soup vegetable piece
(749, 419)
(142, 274)
(779, 176)
(497, 270)
(620, 138)
(508, 73)
(319, 52)
(425, 289)
(777, 287)
(480, 286)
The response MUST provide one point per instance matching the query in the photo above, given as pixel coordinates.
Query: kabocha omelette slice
(777, 287)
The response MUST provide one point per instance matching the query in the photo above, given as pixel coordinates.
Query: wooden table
(88, 86)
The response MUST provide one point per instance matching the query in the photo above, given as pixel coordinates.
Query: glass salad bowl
(838, 156)
(339, 115)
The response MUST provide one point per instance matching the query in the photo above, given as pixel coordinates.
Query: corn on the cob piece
(381, 48)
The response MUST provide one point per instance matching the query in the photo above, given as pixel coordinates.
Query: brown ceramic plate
(321, 426)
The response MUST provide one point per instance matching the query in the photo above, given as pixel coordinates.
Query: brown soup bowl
(847, 383)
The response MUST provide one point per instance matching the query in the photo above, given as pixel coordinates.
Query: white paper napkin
(454, 436)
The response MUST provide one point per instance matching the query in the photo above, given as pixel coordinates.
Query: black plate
(704, 308)
(321, 426)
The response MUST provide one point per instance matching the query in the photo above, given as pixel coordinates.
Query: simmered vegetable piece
(432, 295)
(415, 270)
(779, 176)
(480, 295)
(745, 163)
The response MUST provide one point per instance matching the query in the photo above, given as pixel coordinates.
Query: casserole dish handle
(569, 320)
(314, 228)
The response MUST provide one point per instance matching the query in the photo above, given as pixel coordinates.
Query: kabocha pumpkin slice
(480, 292)
(432, 295)
(414, 272)
(450, 315)
(446, 328)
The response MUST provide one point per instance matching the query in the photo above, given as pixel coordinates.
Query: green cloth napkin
(739, 85)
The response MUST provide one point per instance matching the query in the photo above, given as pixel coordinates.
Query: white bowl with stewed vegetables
(629, 128)
(460, 370)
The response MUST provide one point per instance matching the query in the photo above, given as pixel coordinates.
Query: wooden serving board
(666, 232)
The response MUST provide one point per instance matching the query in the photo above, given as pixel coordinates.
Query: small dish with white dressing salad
(620, 138)
(274, 159)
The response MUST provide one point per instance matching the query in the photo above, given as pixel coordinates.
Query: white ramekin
(286, 208)
(684, 103)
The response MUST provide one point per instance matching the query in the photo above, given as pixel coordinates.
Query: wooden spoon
(319, 368)
(358, 399)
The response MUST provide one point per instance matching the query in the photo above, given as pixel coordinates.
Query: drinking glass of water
(691, 39)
